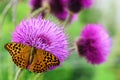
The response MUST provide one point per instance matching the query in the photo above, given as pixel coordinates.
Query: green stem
(39, 76)
(5, 12)
(14, 11)
(68, 19)
(36, 12)
(18, 74)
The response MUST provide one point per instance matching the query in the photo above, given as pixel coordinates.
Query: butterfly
(31, 58)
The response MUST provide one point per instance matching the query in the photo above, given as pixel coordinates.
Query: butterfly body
(32, 54)
(31, 58)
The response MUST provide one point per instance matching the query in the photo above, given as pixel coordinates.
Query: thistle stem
(72, 49)
(36, 12)
(14, 11)
(39, 76)
(18, 74)
(68, 19)
(4, 13)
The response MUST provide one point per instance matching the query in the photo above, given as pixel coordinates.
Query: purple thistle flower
(61, 15)
(76, 5)
(86, 3)
(36, 4)
(58, 8)
(94, 43)
(42, 34)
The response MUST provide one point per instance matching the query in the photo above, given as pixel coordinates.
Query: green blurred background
(74, 68)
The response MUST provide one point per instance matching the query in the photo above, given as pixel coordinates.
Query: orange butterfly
(31, 58)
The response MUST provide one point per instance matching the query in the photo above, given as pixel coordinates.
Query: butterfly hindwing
(20, 53)
(42, 61)
(37, 64)
(50, 60)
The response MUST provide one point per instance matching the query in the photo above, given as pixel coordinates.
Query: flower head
(58, 8)
(86, 3)
(76, 5)
(94, 43)
(42, 34)
(36, 4)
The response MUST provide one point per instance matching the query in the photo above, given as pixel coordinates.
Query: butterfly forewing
(20, 53)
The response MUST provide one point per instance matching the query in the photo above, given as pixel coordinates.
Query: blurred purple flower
(42, 34)
(76, 5)
(94, 43)
(86, 3)
(36, 4)
(61, 15)
(58, 8)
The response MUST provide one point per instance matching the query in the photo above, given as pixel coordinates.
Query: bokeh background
(105, 12)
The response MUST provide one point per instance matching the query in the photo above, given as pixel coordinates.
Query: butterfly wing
(37, 64)
(20, 53)
(50, 60)
(42, 61)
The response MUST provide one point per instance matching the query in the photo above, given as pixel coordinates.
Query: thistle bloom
(76, 5)
(36, 4)
(58, 8)
(42, 34)
(86, 3)
(94, 43)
